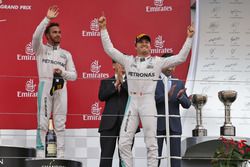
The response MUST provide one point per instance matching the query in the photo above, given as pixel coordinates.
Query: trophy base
(227, 131)
(199, 132)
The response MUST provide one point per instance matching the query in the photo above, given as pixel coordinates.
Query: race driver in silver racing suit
(142, 72)
(51, 59)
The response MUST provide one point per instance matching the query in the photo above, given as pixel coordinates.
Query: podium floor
(52, 162)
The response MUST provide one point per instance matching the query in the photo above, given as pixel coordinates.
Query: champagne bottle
(50, 140)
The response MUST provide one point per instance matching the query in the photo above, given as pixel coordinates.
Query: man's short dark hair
(49, 26)
(167, 55)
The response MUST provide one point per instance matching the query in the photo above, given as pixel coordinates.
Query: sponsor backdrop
(165, 21)
(221, 62)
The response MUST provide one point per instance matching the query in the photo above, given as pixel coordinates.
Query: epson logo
(29, 90)
(95, 72)
(94, 27)
(159, 46)
(29, 54)
(158, 7)
(95, 113)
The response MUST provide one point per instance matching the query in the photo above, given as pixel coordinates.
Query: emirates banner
(165, 21)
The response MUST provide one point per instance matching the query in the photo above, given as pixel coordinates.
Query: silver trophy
(198, 101)
(227, 97)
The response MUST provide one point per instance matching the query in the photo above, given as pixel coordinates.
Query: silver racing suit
(142, 74)
(48, 58)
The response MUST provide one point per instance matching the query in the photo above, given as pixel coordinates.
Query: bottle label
(51, 149)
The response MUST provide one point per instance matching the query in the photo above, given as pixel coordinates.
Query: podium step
(51, 162)
(15, 156)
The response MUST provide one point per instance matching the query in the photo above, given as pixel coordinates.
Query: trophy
(227, 97)
(198, 101)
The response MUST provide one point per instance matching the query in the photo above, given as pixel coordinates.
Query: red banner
(165, 21)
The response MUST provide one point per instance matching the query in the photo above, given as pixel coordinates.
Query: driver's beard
(145, 53)
(55, 43)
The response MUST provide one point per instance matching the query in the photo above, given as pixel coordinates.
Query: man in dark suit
(114, 91)
(176, 96)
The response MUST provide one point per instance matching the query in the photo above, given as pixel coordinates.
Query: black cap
(57, 83)
(140, 37)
